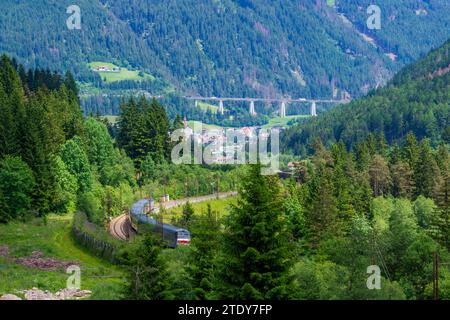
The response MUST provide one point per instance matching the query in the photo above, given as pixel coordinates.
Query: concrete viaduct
(283, 102)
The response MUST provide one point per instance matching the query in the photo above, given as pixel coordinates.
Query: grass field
(283, 122)
(204, 125)
(124, 73)
(206, 106)
(111, 119)
(54, 241)
(221, 206)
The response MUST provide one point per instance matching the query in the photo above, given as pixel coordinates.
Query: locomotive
(142, 223)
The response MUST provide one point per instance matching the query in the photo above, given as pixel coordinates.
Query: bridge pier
(283, 109)
(221, 109)
(252, 108)
(313, 109)
(196, 103)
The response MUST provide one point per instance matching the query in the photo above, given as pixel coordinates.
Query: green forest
(53, 160)
(367, 184)
(245, 48)
(416, 100)
(368, 187)
(303, 48)
(314, 238)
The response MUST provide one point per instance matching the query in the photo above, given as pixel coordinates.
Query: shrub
(16, 186)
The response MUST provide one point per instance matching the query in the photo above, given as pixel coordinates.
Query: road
(120, 226)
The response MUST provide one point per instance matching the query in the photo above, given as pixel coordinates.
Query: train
(142, 223)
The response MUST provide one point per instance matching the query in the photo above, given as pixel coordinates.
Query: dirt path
(120, 226)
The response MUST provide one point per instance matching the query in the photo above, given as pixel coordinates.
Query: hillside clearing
(122, 75)
(52, 240)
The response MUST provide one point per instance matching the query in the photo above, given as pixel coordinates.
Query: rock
(37, 260)
(10, 297)
(72, 293)
(36, 294)
(4, 251)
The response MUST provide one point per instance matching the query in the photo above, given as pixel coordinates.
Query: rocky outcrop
(63, 294)
(38, 261)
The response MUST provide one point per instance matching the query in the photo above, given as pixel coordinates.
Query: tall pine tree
(256, 257)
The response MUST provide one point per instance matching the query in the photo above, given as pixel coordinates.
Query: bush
(16, 186)
(66, 195)
(91, 206)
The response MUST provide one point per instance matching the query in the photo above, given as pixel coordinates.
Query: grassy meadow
(124, 73)
(53, 238)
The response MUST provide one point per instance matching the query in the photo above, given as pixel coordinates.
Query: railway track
(120, 227)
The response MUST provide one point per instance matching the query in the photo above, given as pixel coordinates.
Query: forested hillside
(361, 213)
(53, 160)
(245, 47)
(42, 39)
(417, 100)
(405, 25)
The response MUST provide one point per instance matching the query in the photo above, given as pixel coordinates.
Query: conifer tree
(12, 108)
(147, 271)
(363, 156)
(144, 129)
(410, 151)
(426, 172)
(380, 178)
(341, 183)
(402, 180)
(187, 214)
(256, 258)
(322, 212)
(128, 127)
(205, 246)
(177, 123)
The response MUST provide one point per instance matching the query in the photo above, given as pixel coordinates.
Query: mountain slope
(228, 47)
(417, 100)
(36, 33)
(409, 28)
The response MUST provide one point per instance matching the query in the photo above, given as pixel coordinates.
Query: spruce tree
(322, 211)
(12, 107)
(187, 214)
(205, 245)
(342, 188)
(410, 151)
(380, 178)
(402, 180)
(177, 123)
(426, 172)
(256, 257)
(147, 277)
